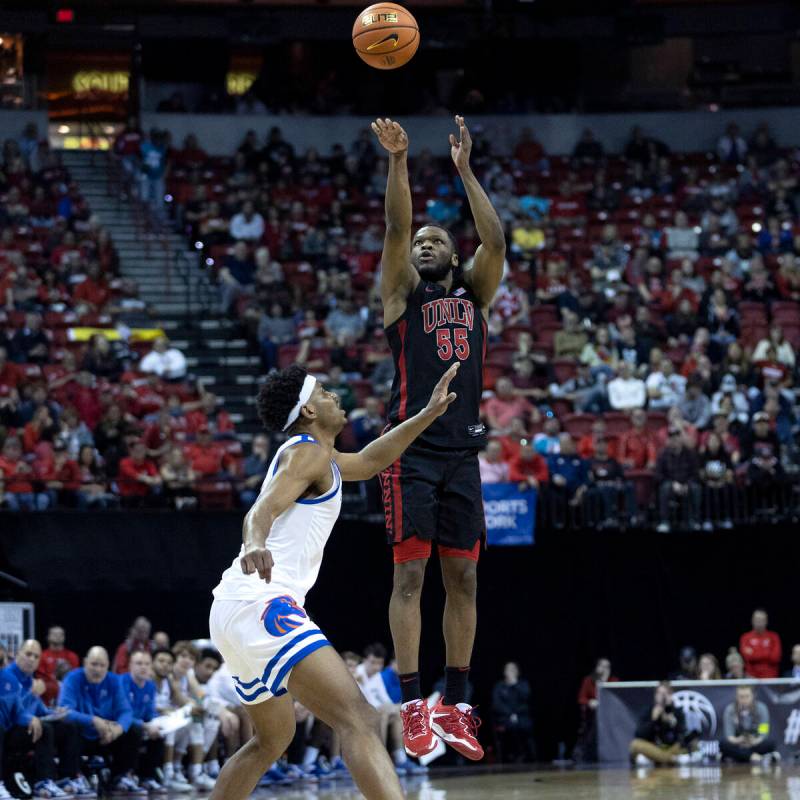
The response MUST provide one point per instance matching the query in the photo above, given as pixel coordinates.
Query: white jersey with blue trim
(296, 540)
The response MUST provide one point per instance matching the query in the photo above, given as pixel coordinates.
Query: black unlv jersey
(438, 328)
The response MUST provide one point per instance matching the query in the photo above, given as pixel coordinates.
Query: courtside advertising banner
(703, 702)
(510, 514)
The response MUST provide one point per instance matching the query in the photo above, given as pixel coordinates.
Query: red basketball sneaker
(458, 726)
(418, 738)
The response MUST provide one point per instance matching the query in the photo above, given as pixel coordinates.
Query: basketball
(385, 36)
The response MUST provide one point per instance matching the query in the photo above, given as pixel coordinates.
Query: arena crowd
(641, 367)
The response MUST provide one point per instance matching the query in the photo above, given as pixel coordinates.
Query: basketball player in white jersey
(274, 651)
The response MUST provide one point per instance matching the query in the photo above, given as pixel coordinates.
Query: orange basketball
(385, 35)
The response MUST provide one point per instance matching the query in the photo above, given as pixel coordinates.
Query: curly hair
(278, 395)
(450, 236)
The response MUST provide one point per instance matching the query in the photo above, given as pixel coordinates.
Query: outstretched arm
(304, 466)
(385, 450)
(398, 277)
(487, 267)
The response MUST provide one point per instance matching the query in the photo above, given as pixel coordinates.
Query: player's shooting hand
(391, 135)
(461, 148)
(440, 397)
(259, 560)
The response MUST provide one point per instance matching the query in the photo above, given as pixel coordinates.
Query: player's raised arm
(398, 277)
(301, 467)
(487, 267)
(384, 451)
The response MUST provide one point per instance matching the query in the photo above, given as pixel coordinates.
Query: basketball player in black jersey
(435, 314)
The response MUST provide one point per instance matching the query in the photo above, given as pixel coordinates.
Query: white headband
(305, 393)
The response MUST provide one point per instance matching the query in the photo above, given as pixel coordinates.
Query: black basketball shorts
(434, 494)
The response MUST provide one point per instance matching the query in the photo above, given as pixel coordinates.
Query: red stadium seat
(512, 332)
(564, 369)
(544, 314)
(491, 372)
(578, 424)
(561, 408)
(545, 333)
(786, 316)
(617, 422)
(753, 334)
(792, 334)
(656, 421)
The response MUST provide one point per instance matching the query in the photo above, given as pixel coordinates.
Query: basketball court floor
(690, 783)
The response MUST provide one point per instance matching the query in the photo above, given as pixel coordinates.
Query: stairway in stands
(168, 279)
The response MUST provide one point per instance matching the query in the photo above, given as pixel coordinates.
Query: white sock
(213, 764)
(195, 770)
(169, 771)
(399, 756)
(310, 756)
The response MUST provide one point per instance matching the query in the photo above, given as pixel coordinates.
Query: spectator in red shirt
(637, 447)
(93, 292)
(16, 478)
(760, 648)
(40, 428)
(83, 394)
(527, 468)
(587, 443)
(138, 641)
(138, 476)
(505, 406)
(205, 414)
(512, 441)
(568, 208)
(57, 658)
(206, 458)
(61, 477)
(587, 703)
(159, 436)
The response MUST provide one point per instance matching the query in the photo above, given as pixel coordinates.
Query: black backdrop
(636, 598)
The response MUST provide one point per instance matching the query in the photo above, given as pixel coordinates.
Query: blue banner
(510, 513)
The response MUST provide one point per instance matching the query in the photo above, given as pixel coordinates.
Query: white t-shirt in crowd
(220, 687)
(373, 688)
(672, 389)
(625, 394)
(169, 364)
(241, 228)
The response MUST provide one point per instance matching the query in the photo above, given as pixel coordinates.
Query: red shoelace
(466, 721)
(415, 721)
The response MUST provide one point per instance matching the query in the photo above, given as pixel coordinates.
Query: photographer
(661, 736)
(745, 730)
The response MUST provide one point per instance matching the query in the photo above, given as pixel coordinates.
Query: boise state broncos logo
(279, 616)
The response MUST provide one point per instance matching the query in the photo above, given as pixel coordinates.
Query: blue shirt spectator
(92, 691)
(154, 157)
(391, 680)
(142, 698)
(17, 678)
(14, 681)
(12, 713)
(569, 466)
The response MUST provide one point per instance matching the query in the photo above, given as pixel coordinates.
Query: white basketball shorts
(261, 641)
